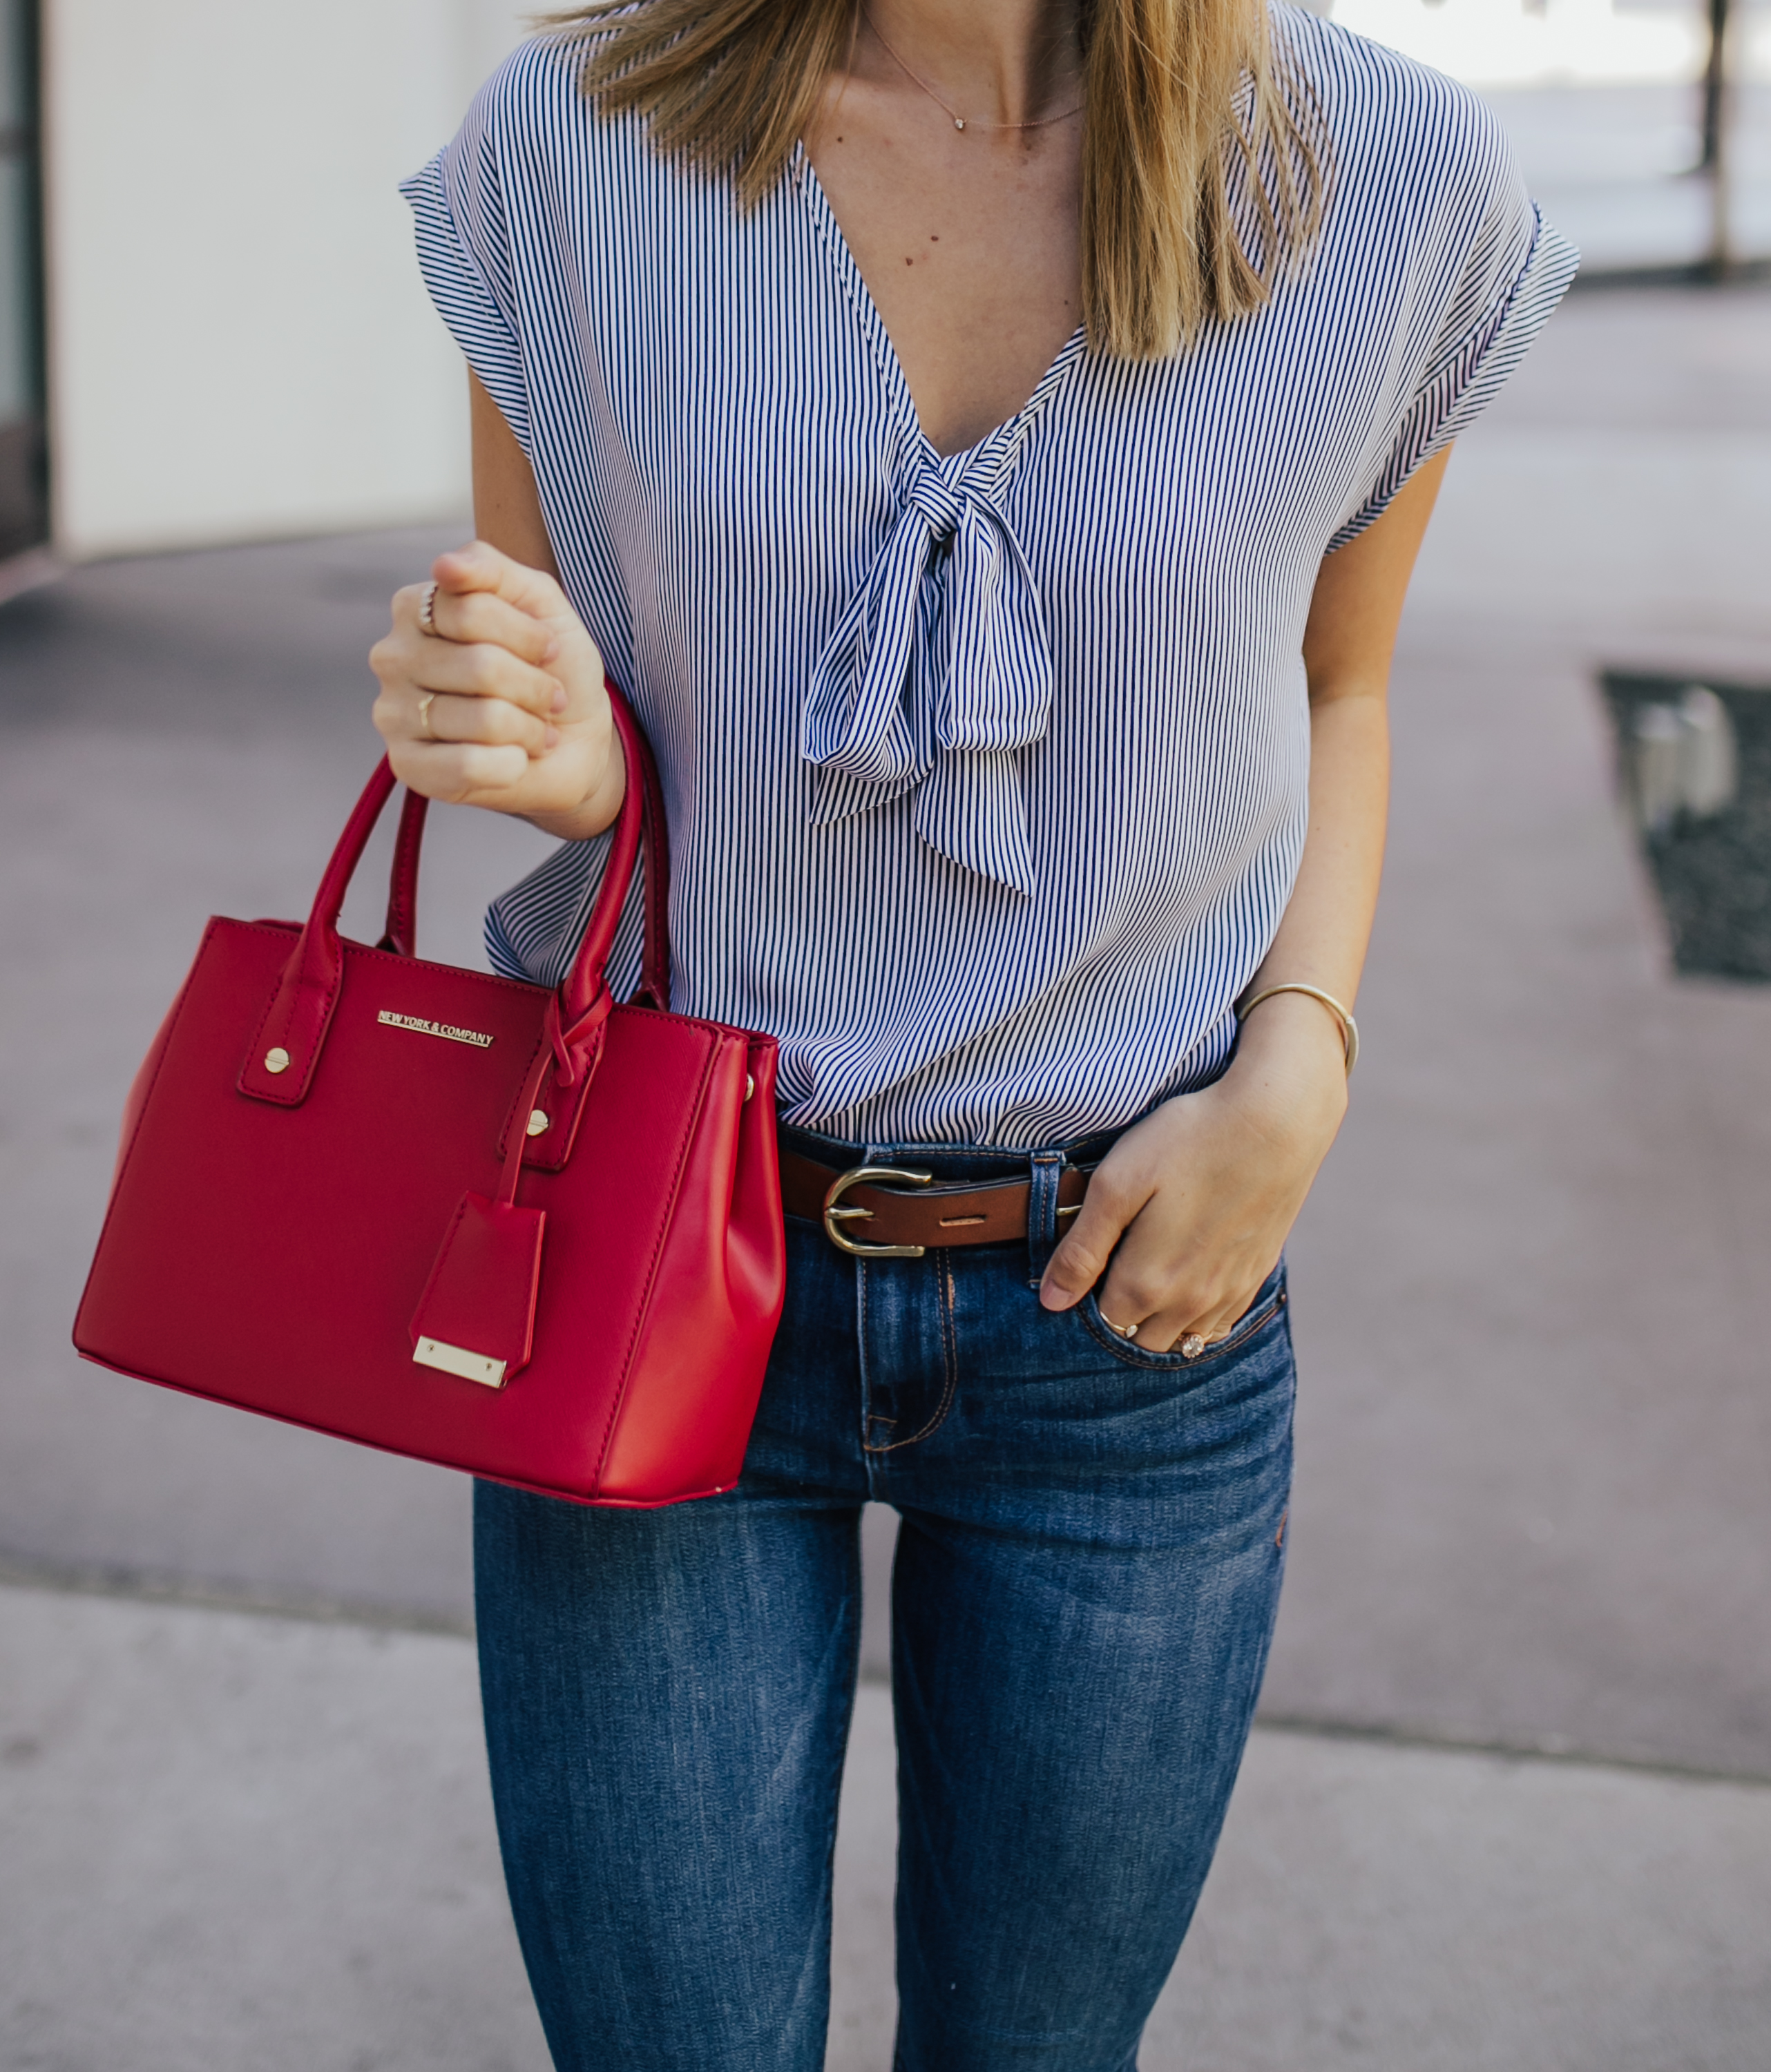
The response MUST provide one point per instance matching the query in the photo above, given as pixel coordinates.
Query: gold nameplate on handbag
(457, 1359)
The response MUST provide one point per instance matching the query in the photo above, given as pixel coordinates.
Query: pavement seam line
(134, 1586)
(144, 1586)
(1305, 1726)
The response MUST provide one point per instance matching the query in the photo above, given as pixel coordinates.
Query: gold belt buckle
(834, 1213)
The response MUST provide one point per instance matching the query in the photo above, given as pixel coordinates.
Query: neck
(999, 62)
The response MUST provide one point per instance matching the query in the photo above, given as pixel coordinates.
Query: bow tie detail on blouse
(937, 675)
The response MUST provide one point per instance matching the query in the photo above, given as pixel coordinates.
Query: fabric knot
(935, 676)
(942, 508)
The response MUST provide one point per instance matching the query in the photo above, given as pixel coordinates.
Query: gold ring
(425, 699)
(1120, 1330)
(1192, 1345)
(427, 612)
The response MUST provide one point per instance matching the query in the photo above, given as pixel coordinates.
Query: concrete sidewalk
(232, 1841)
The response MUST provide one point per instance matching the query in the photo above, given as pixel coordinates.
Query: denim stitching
(860, 1348)
(1172, 1361)
(950, 1357)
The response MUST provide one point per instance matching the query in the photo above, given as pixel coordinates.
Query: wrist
(600, 806)
(1258, 995)
(1291, 1060)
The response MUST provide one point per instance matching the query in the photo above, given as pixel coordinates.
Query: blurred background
(211, 323)
(1510, 1805)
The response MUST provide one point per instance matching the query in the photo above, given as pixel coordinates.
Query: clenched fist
(496, 698)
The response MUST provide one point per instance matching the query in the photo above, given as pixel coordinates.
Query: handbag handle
(287, 1048)
(401, 934)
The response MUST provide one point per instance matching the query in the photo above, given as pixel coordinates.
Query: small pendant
(959, 121)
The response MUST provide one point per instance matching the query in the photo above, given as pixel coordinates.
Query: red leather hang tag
(476, 1317)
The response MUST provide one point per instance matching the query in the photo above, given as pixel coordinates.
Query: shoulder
(531, 96)
(537, 148)
(1396, 129)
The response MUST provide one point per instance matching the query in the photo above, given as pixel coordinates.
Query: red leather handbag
(529, 1234)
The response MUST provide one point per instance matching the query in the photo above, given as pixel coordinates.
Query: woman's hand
(1200, 1196)
(503, 705)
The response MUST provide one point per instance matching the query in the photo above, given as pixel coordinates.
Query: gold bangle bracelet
(1350, 1028)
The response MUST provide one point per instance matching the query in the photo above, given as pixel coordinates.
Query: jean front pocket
(1269, 1303)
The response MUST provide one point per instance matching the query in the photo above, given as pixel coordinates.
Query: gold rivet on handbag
(277, 1060)
(539, 1122)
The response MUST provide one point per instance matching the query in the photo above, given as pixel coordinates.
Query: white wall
(238, 344)
(1561, 43)
(1504, 42)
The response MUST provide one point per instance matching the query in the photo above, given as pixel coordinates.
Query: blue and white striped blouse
(986, 775)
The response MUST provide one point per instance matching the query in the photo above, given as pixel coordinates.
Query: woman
(989, 441)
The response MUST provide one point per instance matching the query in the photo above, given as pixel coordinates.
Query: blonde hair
(1204, 160)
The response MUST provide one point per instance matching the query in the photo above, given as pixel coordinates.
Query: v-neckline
(1003, 438)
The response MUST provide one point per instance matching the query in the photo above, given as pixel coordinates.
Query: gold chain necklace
(958, 121)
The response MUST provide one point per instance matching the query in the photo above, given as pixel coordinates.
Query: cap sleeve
(464, 254)
(1511, 274)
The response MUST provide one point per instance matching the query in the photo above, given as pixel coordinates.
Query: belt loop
(1047, 1169)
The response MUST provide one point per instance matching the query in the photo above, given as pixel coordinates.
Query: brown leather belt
(891, 1216)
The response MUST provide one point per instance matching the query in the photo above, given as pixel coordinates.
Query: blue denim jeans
(1087, 1572)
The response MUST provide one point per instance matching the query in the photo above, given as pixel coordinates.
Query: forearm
(1348, 641)
(1327, 923)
